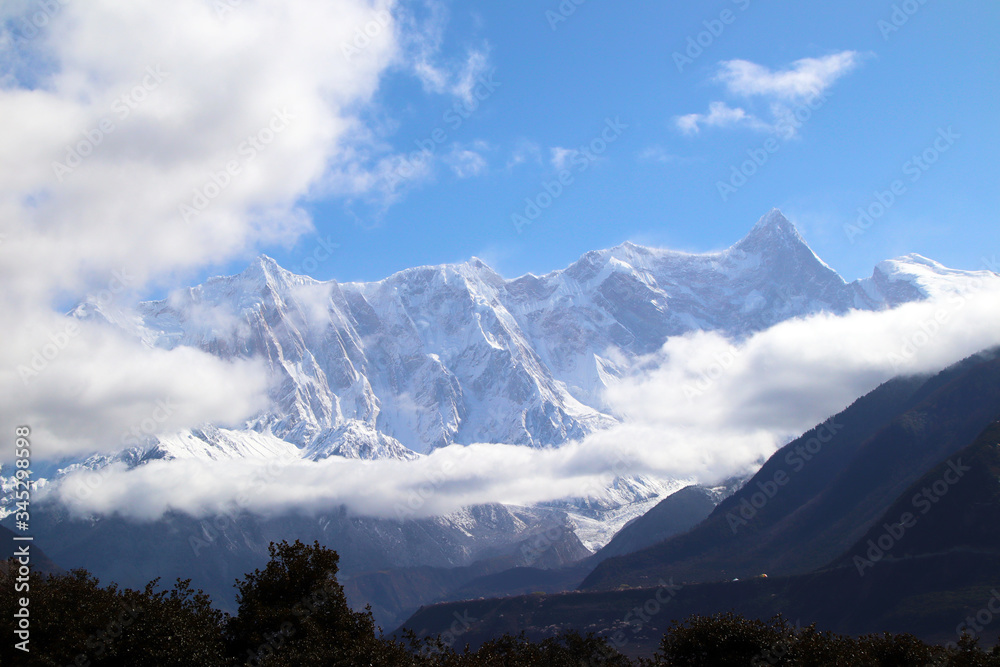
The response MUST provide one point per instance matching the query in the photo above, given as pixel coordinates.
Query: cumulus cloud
(467, 161)
(802, 83)
(151, 139)
(719, 114)
(561, 157)
(805, 78)
(423, 38)
(103, 392)
(700, 409)
(159, 151)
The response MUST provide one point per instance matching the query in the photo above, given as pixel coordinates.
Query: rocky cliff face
(434, 356)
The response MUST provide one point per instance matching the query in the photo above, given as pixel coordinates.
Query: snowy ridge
(438, 355)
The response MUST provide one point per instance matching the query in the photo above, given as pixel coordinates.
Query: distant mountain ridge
(437, 355)
(452, 354)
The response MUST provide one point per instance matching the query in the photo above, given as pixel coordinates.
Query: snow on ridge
(438, 355)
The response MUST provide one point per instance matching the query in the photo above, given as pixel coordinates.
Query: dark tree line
(293, 612)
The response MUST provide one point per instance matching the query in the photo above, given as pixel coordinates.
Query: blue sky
(658, 185)
(670, 98)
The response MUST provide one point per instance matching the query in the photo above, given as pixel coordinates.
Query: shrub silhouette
(729, 640)
(293, 612)
(76, 621)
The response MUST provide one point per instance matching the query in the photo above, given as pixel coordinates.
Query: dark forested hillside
(816, 496)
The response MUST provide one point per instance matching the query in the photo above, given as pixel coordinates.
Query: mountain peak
(773, 230)
(265, 262)
(264, 270)
(775, 221)
(478, 266)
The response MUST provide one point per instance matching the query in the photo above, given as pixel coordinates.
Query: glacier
(456, 354)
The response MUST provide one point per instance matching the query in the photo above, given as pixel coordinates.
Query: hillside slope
(817, 495)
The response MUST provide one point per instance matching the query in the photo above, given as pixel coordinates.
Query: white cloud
(382, 181)
(461, 82)
(561, 157)
(266, 90)
(524, 151)
(466, 162)
(84, 388)
(423, 38)
(803, 83)
(702, 408)
(719, 115)
(476, 66)
(806, 78)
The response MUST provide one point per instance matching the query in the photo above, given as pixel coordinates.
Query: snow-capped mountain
(433, 356)
(442, 355)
